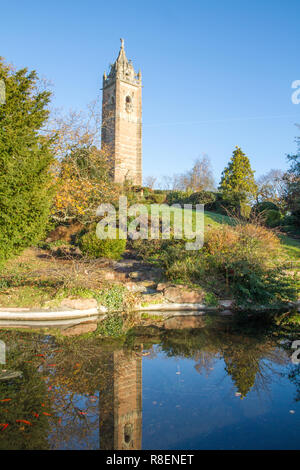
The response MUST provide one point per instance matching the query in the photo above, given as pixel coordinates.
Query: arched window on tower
(128, 103)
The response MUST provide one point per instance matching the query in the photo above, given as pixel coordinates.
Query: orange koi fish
(23, 421)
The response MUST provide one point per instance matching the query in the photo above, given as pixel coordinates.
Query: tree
(82, 170)
(26, 183)
(200, 177)
(292, 180)
(237, 183)
(271, 188)
(150, 181)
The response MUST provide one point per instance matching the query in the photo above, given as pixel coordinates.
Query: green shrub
(202, 197)
(177, 197)
(146, 249)
(272, 218)
(95, 247)
(221, 205)
(159, 198)
(113, 298)
(265, 206)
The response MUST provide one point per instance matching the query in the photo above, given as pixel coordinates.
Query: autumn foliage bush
(248, 257)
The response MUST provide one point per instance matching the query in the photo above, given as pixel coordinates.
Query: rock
(80, 329)
(182, 294)
(108, 275)
(182, 322)
(226, 313)
(226, 303)
(149, 284)
(148, 299)
(135, 287)
(146, 273)
(79, 304)
(136, 274)
(161, 286)
(10, 374)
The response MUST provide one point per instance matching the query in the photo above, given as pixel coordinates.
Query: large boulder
(182, 294)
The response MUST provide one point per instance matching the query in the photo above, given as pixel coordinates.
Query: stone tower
(122, 119)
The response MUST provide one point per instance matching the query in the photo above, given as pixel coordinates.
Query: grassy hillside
(291, 246)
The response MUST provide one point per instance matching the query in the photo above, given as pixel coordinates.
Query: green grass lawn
(291, 247)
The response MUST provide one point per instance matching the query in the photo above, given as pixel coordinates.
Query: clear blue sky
(216, 73)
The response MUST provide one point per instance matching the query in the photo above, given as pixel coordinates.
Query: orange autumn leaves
(83, 182)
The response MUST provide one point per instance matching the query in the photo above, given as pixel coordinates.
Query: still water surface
(215, 387)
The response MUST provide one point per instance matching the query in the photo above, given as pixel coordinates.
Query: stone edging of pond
(25, 317)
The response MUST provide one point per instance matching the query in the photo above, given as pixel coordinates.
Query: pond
(218, 386)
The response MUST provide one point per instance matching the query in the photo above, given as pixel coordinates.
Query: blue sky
(216, 73)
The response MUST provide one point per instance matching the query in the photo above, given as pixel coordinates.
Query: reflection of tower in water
(121, 402)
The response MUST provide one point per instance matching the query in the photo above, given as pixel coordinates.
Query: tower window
(128, 433)
(128, 103)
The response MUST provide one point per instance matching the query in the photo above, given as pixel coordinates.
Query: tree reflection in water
(86, 393)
